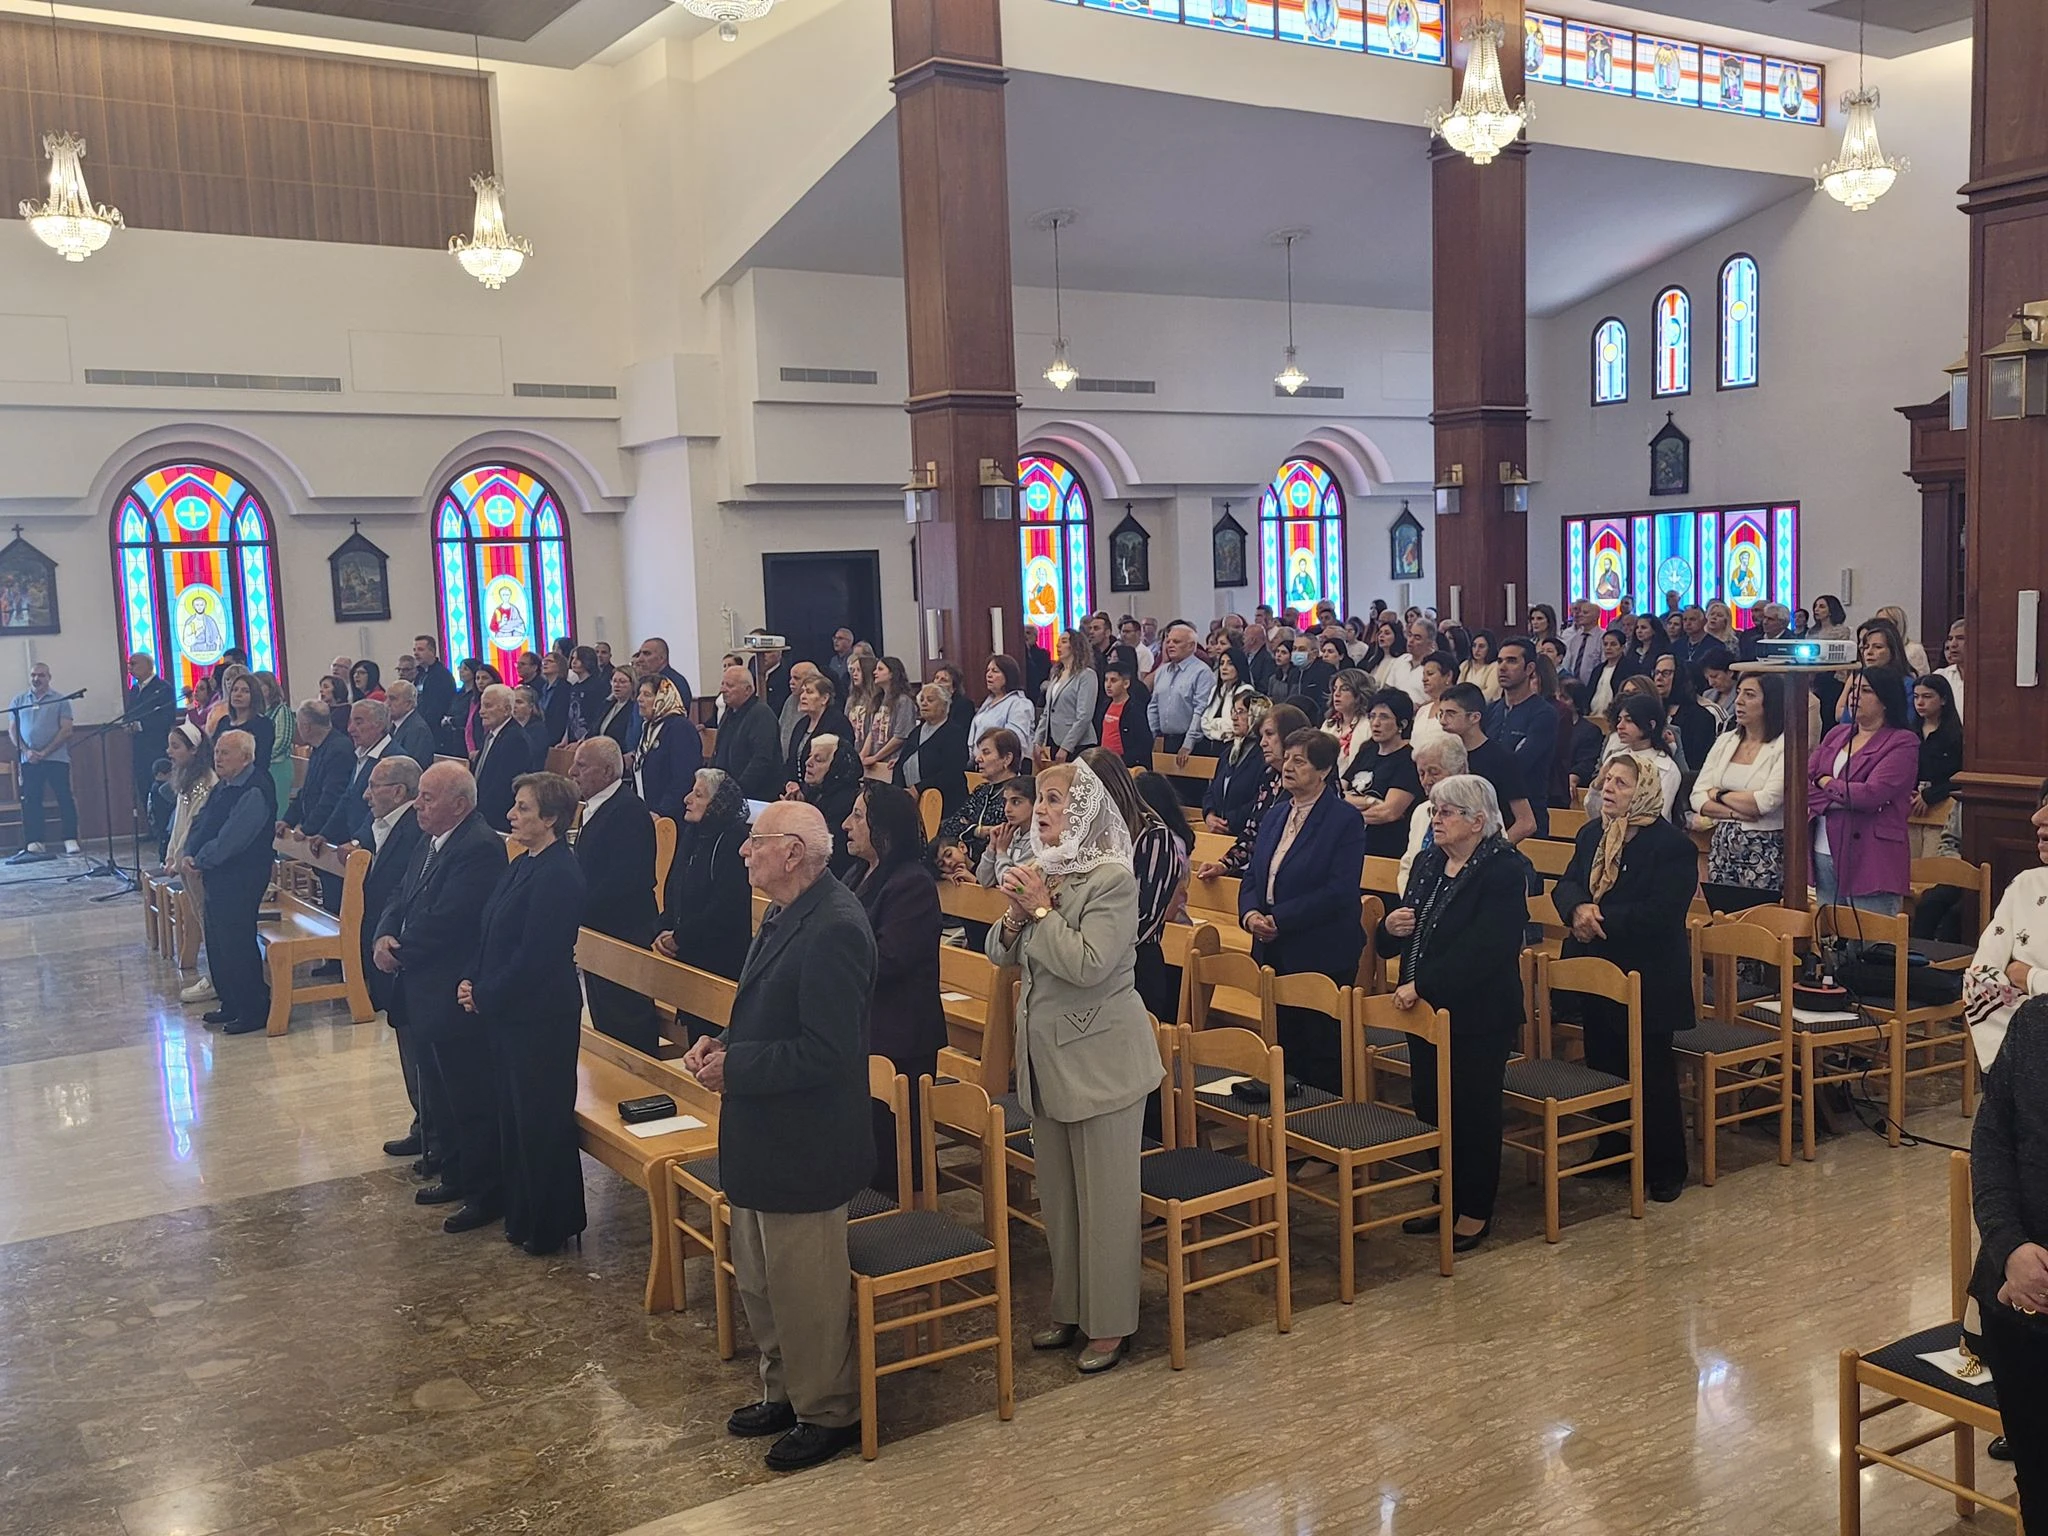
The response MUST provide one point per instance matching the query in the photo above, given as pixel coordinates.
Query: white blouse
(2018, 930)
(1764, 778)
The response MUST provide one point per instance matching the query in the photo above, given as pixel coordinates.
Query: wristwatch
(1040, 914)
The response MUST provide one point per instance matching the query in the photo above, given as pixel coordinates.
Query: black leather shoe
(810, 1444)
(1421, 1226)
(757, 1419)
(1465, 1242)
(469, 1218)
(1664, 1194)
(436, 1194)
(217, 1016)
(1998, 1450)
(404, 1146)
(242, 1026)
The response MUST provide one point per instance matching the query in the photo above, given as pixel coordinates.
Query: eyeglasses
(755, 837)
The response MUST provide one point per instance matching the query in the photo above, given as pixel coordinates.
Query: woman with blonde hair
(1915, 659)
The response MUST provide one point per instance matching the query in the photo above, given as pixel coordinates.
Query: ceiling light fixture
(729, 14)
(1290, 377)
(69, 222)
(1864, 173)
(1482, 124)
(491, 254)
(1059, 373)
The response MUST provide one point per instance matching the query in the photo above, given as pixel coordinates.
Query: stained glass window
(1744, 556)
(1731, 82)
(1053, 533)
(1301, 538)
(1791, 91)
(1667, 70)
(195, 564)
(1738, 322)
(1405, 29)
(1610, 362)
(1542, 48)
(1253, 16)
(1599, 58)
(1326, 23)
(501, 555)
(1672, 320)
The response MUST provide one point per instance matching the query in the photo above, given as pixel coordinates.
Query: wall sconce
(998, 494)
(2016, 373)
(1959, 393)
(1514, 488)
(1450, 491)
(921, 494)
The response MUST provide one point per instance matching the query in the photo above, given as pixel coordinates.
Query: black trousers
(2016, 1347)
(462, 1096)
(1478, 1065)
(627, 1016)
(57, 777)
(542, 1169)
(409, 1064)
(1313, 1042)
(232, 958)
(1664, 1149)
(1158, 983)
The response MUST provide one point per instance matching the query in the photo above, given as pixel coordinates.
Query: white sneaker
(71, 845)
(201, 991)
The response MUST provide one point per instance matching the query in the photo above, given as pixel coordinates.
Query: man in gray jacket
(795, 1135)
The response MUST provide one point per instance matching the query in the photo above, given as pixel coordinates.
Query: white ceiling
(1177, 195)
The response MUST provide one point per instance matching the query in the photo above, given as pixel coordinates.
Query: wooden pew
(608, 1071)
(306, 933)
(1210, 846)
(972, 903)
(664, 856)
(560, 759)
(1551, 857)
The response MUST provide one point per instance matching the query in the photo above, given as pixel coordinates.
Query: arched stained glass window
(195, 566)
(1673, 332)
(502, 556)
(1738, 322)
(1610, 362)
(1301, 538)
(1053, 532)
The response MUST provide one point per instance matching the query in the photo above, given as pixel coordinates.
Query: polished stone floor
(220, 1312)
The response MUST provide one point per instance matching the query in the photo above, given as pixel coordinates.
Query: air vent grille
(565, 391)
(830, 376)
(157, 378)
(1116, 386)
(1312, 392)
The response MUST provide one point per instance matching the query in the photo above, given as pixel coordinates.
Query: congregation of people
(1059, 776)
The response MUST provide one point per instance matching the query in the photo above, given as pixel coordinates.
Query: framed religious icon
(28, 589)
(362, 587)
(1670, 460)
(1405, 545)
(1130, 556)
(1227, 551)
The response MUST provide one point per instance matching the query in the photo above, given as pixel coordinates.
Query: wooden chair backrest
(1240, 1051)
(1565, 822)
(1178, 940)
(1195, 767)
(1432, 1024)
(1856, 925)
(1962, 1232)
(1204, 972)
(1543, 912)
(890, 1088)
(682, 987)
(975, 780)
(1217, 897)
(970, 971)
(664, 856)
(1380, 874)
(1724, 944)
(1550, 857)
(1210, 846)
(1792, 922)
(972, 903)
(1598, 978)
(1958, 872)
(760, 905)
(931, 809)
(560, 760)
(964, 1109)
(1308, 989)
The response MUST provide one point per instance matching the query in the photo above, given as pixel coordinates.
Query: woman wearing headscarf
(1625, 897)
(832, 778)
(708, 900)
(1086, 1057)
(670, 749)
(1458, 931)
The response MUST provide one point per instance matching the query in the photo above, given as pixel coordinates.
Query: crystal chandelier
(1290, 377)
(1482, 124)
(490, 255)
(729, 14)
(70, 223)
(1863, 173)
(1059, 373)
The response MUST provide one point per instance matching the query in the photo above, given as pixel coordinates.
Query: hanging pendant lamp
(491, 254)
(1482, 124)
(1290, 377)
(1863, 173)
(69, 222)
(729, 14)
(1059, 373)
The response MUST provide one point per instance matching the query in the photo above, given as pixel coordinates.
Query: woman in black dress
(524, 988)
(831, 780)
(620, 716)
(245, 713)
(709, 902)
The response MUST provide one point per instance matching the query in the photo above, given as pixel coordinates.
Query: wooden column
(2005, 727)
(956, 288)
(1479, 274)
(1938, 465)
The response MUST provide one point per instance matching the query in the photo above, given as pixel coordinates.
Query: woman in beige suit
(1086, 1058)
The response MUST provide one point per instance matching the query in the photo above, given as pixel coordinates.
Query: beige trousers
(1088, 1199)
(797, 1286)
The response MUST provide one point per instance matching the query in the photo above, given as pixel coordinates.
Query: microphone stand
(110, 867)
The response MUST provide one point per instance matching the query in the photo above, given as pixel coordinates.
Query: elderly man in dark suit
(427, 939)
(330, 763)
(229, 849)
(616, 850)
(749, 738)
(794, 1135)
(412, 733)
(504, 755)
(394, 837)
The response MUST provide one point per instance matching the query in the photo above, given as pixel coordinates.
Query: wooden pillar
(956, 288)
(2005, 726)
(1479, 269)
(1938, 465)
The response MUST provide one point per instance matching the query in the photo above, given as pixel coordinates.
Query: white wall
(1860, 314)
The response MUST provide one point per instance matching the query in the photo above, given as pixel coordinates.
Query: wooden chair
(1553, 1091)
(1928, 873)
(1565, 822)
(1184, 1186)
(1357, 1135)
(1550, 857)
(1208, 1088)
(1215, 901)
(1933, 1035)
(561, 759)
(1758, 1055)
(1227, 986)
(664, 856)
(973, 903)
(1907, 1381)
(1176, 942)
(915, 1254)
(978, 997)
(306, 933)
(931, 810)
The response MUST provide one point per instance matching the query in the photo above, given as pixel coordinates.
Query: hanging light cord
(1290, 293)
(1862, 14)
(1059, 317)
(56, 55)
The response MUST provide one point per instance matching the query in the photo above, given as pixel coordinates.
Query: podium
(1798, 749)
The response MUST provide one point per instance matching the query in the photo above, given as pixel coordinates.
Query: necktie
(427, 864)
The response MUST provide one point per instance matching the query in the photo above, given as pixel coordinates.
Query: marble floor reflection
(221, 1313)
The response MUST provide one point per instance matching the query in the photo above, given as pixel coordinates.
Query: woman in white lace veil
(1085, 1053)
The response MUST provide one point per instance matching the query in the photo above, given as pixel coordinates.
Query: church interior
(330, 324)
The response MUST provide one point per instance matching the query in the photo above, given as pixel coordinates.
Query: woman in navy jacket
(523, 987)
(1299, 897)
(1227, 802)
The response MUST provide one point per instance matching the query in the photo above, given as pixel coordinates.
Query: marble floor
(221, 1313)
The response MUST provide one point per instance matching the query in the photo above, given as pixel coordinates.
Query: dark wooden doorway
(808, 596)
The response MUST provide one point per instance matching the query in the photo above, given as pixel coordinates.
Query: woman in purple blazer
(1859, 792)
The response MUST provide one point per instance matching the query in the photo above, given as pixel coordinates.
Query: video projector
(1810, 652)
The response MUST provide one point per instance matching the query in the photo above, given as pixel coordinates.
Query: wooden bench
(980, 999)
(664, 855)
(304, 932)
(170, 918)
(608, 1071)
(1565, 822)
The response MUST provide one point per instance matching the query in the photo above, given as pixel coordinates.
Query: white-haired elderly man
(615, 849)
(505, 753)
(229, 849)
(394, 838)
(412, 733)
(795, 1136)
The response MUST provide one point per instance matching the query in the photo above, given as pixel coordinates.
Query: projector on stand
(1810, 652)
(764, 643)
